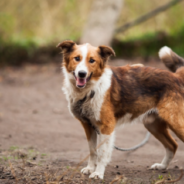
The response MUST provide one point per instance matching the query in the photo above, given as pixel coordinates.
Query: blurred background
(30, 28)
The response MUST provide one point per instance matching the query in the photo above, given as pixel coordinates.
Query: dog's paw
(96, 175)
(87, 170)
(158, 166)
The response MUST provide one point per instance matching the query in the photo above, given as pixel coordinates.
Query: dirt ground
(34, 118)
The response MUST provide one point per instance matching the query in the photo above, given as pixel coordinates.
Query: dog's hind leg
(173, 113)
(92, 142)
(179, 131)
(176, 124)
(159, 129)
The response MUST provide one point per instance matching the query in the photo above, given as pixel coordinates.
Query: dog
(102, 97)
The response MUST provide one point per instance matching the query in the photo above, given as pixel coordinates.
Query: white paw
(158, 166)
(96, 175)
(87, 170)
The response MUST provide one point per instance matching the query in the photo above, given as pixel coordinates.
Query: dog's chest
(86, 106)
(86, 109)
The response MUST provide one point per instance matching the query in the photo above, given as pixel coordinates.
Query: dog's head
(84, 62)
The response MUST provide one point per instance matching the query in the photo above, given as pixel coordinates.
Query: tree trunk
(101, 22)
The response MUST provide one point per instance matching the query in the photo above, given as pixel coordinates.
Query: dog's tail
(170, 58)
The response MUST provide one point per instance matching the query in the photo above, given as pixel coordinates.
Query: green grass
(160, 177)
(43, 155)
(13, 148)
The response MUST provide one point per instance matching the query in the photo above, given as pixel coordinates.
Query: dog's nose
(82, 74)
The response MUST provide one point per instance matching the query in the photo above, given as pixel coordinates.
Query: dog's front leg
(92, 142)
(104, 154)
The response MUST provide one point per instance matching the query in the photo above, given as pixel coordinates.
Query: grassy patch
(43, 155)
(13, 148)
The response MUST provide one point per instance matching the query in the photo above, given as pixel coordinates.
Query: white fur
(140, 119)
(93, 155)
(100, 88)
(165, 162)
(138, 64)
(164, 51)
(82, 64)
(104, 155)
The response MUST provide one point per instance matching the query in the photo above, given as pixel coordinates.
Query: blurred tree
(101, 22)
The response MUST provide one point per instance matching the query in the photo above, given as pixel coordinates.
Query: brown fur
(108, 120)
(160, 130)
(88, 130)
(137, 90)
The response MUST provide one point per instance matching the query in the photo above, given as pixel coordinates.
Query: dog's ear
(105, 52)
(66, 46)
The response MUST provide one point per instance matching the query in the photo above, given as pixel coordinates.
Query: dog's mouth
(81, 82)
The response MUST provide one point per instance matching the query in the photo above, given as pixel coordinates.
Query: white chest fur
(91, 107)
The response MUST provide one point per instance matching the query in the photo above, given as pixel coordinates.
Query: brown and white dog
(102, 97)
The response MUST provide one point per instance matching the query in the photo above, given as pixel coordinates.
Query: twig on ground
(46, 178)
(13, 171)
(118, 178)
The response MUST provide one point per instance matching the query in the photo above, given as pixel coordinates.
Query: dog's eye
(77, 58)
(91, 60)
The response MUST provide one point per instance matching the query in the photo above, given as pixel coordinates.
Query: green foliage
(68, 167)
(160, 177)
(169, 21)
(26, 27)
(7, 25)
(149, 44)
(15, 53)
(5, 158)
(46, 21)
(42, 21)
